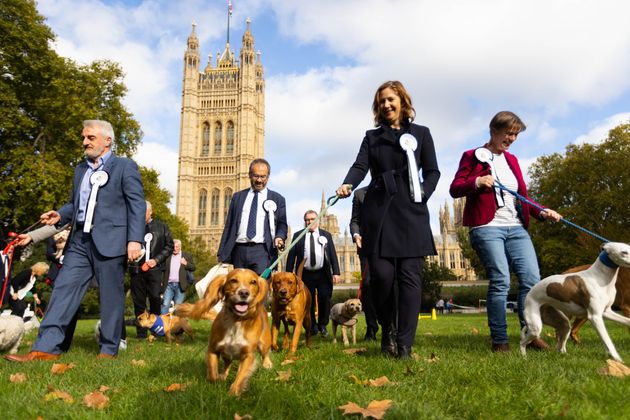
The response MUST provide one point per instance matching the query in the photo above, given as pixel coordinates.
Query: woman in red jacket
(498, 221)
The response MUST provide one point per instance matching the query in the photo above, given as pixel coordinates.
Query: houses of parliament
(222, 131)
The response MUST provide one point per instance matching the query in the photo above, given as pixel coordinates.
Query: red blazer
(480, 205)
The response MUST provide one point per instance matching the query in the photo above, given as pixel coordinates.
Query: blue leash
(539, 207)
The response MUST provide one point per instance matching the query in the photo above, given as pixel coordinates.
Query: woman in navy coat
(396, 230)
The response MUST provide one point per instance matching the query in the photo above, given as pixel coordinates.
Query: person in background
(321, 269)
(147, 274)
(256, 225)
(498, 222)
(178, 276)
(23, 283)
(365, 291)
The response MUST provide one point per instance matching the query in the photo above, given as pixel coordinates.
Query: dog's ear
(263, 289)
(300, 269)
(299, 284)
(214, 292)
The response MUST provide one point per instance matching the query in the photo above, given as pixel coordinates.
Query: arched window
(214, 208)
(218, 136)
(227, 199)
(229, 143)
(205, 144)
(203, 200)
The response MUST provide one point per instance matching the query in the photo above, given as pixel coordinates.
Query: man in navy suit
(256, 225)
(107, 210)
(321, 268)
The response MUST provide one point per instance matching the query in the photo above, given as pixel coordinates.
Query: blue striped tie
(251, 220)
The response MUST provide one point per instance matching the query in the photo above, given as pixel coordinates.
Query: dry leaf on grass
(175, 387)
(96, 400)
(382, 381)
(18, 378)
(550, 335)
(433, 358)
(283, 376)
(355, 351)
(375, 409)
(103, 388)
(61, 368)
(428, 333)
(614, 368)
(289, 360)
(243, 417)
(138, 363)
(53, 395)
(474, 331)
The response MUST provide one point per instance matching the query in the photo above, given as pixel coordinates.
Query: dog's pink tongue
(241, 307)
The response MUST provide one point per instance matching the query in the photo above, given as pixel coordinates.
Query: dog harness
(158, 327)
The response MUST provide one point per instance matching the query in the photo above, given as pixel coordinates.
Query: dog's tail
(201, 308)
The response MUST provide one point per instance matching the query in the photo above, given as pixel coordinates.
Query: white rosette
(409, 144)
(270, 207)
(484, 155)
(97, 179)
(322, 241)
(147, 239)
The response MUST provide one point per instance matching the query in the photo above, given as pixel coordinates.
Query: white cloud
(600, 130)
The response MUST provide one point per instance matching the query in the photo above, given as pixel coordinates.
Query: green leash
(329, 203)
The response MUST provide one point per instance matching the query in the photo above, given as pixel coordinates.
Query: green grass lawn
(465, 380)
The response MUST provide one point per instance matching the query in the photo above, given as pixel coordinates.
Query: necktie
(251, 221)
(312, 258)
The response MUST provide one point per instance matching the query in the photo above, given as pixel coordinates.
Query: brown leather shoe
(105, 356)
(32, 356)
(537, 344)
(501, 348)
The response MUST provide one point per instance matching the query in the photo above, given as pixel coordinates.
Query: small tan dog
(291, 306)
(345, 314)
(240, 328)
(165, 325)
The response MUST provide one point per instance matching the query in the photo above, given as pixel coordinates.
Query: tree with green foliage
(44, 99)
(432, 276)
(589, 185)
(469, 252)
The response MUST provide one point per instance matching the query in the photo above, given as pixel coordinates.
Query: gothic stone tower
(221, 132)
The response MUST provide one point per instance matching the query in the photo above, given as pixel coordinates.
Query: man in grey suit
(106, 210)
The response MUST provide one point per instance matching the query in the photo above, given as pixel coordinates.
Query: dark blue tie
(312, 258)
(251, 221)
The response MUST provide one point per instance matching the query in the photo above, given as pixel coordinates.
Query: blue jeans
(173, 292)
(499, 249)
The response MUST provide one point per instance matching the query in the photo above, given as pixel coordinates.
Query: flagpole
(228, 20)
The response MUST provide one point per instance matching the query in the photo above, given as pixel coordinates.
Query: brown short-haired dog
(291, 305)
(165, 325)
(240, 328)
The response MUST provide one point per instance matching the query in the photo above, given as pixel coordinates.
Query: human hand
(23, 239)
(50, 218)
(358, 240)
(134, 251)
(151, 263)
(548, 214)
(336, 279)
(183, 261)
(344, 190)
(486, 181)
(14, 296)
(37, 301)
(279, 243)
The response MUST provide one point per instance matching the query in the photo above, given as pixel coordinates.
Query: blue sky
(561, 65)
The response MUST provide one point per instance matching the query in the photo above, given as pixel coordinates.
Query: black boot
(388, 341)
(404, 352)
